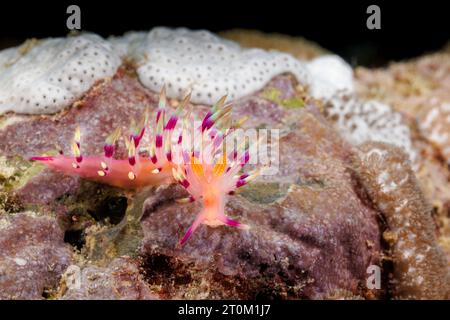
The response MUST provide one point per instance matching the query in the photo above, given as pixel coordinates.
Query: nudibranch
(182, 150)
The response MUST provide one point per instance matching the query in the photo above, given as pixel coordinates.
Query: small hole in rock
(113, 208)
(75, 238)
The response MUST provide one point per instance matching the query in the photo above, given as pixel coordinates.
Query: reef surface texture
(338, 205)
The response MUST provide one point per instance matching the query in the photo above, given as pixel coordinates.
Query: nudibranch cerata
(191, 153)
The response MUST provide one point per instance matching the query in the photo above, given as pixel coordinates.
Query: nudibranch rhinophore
(192, 154)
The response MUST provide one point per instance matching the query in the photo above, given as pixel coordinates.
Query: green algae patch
(311, 182)
(14, 174)
(274, 95)
(264, 192)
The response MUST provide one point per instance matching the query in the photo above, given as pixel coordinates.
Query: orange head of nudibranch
(209, 173)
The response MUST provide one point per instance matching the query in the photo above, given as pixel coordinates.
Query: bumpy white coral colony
(53, 73)
(204, 64)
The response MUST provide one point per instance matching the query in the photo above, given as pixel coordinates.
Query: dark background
(408, 28)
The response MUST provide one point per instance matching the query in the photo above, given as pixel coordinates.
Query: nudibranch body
(91, 168)
(194, 156)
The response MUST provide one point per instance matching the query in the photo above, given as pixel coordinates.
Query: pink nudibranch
(205, 169)
(90, 168)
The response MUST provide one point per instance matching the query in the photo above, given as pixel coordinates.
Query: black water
(408, 28)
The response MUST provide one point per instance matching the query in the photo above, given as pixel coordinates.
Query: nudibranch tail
(212, 215)
(213, 219)
(41, 158)
(118, 176)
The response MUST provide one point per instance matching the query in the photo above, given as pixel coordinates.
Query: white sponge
(129, 45)
(329, 74)
(361, 121)
(201, 62)
(358, 121)
(53, 73)
(8, 57)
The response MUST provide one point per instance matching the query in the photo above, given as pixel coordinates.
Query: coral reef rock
(330, 213)
(305, 241)
(420, 267)
(33, 255)
(121, 280)
(317, 235)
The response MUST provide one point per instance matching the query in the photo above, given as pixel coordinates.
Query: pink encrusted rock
(317, 236)
(33, 255)
(120, 280)
(313, 234)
